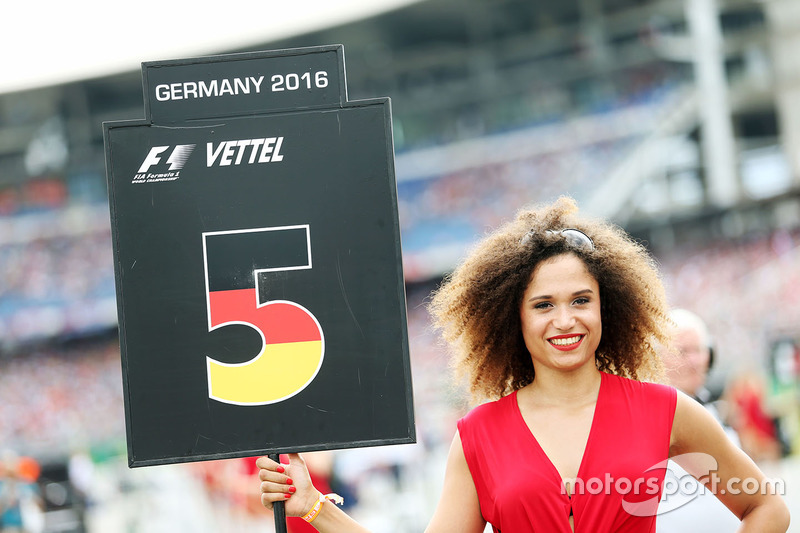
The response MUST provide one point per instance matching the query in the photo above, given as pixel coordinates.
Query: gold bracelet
(314, 512)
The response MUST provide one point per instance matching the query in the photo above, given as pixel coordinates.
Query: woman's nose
(564, 319)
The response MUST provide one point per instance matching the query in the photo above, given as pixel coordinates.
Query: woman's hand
(289, 483)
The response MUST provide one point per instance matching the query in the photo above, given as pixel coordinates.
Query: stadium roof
(53, 42)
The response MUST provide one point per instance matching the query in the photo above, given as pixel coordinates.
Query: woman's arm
(699, 444)
(458, 510)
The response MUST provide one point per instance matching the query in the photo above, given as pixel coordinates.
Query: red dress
(620, 475)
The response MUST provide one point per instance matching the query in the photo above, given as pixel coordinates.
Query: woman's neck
(564, 388)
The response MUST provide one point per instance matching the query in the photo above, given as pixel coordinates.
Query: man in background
(686, 505)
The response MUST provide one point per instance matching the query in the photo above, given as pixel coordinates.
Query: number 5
(292, 343)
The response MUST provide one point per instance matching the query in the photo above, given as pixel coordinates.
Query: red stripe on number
(281, 322)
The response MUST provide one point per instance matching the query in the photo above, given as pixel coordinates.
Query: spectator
(691, 507)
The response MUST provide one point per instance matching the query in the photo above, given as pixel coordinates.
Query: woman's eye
(542, 305)
(581, 301)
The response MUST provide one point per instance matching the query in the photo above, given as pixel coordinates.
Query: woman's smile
(566, 343)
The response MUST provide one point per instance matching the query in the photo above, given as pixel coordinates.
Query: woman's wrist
(318, 505)
(313, 509)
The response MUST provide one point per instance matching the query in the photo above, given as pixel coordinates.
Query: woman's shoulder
(491, 409)
(488, 421)
(648, 388)
(649, 406)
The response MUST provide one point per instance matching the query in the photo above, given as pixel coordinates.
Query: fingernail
(280, 469)
(288, 495)
(289, 481)
(292, 489)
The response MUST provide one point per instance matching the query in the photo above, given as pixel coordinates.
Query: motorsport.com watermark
(679, 487)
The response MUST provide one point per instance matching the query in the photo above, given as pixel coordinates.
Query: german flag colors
(291, 354)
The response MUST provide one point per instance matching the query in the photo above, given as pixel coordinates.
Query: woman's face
(560, 314)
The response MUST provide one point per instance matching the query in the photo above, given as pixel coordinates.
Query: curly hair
(477, 306)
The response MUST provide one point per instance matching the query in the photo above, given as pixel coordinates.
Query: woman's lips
(566, 343)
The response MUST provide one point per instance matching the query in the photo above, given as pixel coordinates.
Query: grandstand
(679, 123)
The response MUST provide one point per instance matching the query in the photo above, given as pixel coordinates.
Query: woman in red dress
(556, 319)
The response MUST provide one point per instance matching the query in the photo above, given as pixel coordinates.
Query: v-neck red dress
(620, 475)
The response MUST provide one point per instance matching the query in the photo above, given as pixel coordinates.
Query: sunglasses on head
(574, 237)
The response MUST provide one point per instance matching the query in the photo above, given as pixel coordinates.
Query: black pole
(277, 507)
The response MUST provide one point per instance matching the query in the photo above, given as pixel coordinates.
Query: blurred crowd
(748, 290)
(57, 274)
(476, 199)
(57, 398)
(749, 294)
(539, 162)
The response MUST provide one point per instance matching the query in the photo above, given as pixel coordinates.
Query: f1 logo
(175, 161)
